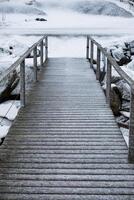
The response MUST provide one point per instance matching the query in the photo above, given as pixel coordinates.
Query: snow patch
(9, 109)
(4, 131)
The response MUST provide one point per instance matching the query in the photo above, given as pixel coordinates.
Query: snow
(125, 133)
(4, 131)
(8, 112)
(19, 43)
(126, 114)
(9, 109)
(129, 69)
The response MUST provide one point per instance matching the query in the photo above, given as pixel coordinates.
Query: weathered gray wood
(91, 53)
(131, 128)
(98, 64)
(108, 83)
(41, 53)
(35, 64)
(87, 49)
(65, 144)
(46, 48)
(22, 83)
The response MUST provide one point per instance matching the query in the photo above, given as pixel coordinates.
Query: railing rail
(112, 63)
(21, 62)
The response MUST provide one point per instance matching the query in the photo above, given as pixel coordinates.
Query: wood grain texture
(65, 144)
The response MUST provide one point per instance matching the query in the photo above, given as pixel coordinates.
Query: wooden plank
(65, 144)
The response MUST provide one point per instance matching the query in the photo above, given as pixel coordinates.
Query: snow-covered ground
(65, 17)
(101, 18)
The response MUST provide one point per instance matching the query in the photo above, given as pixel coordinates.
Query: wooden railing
(90, 52)
(21, 62)
(110, 62)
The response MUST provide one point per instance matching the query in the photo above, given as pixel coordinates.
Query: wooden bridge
(65, 143)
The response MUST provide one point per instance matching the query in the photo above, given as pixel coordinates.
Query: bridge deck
(65, 144)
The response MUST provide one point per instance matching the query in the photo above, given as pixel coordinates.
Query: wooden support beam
(41, 53)
(131, 128)
(22, 83)
(87, 50)
(91, 53)
(35, 64)
(108, 83)
(98, 64)
(46, 48)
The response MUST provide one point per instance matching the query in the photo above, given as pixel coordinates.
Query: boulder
(116, 100)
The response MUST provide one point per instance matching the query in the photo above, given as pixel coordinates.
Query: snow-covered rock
(125, 133)
(8, 112)
(100, 8)
(9, 109)
(3, 131)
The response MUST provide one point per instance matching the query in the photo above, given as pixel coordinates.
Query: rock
(116, 100)
(2, 140)
(125, 114)
(13, 81)
(2, 50)
(124, 89)
(120, 56)
(130, 47)
(124, 61)
(115, 79)
(123, 121)
(41, 19)
(31, 2)
(126, 105)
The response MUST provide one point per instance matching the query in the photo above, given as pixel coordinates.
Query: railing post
(108, 83)
(22, 83)
(91, 53)
(35, 63)
(41, 53)
(98, 64)
(131, 128)
(104, 61)
(46, 48)
(87, 51)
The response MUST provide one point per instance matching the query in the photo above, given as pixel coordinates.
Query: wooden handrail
(112, 63)
(89, 50)
(123, 74)
(21, 62)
